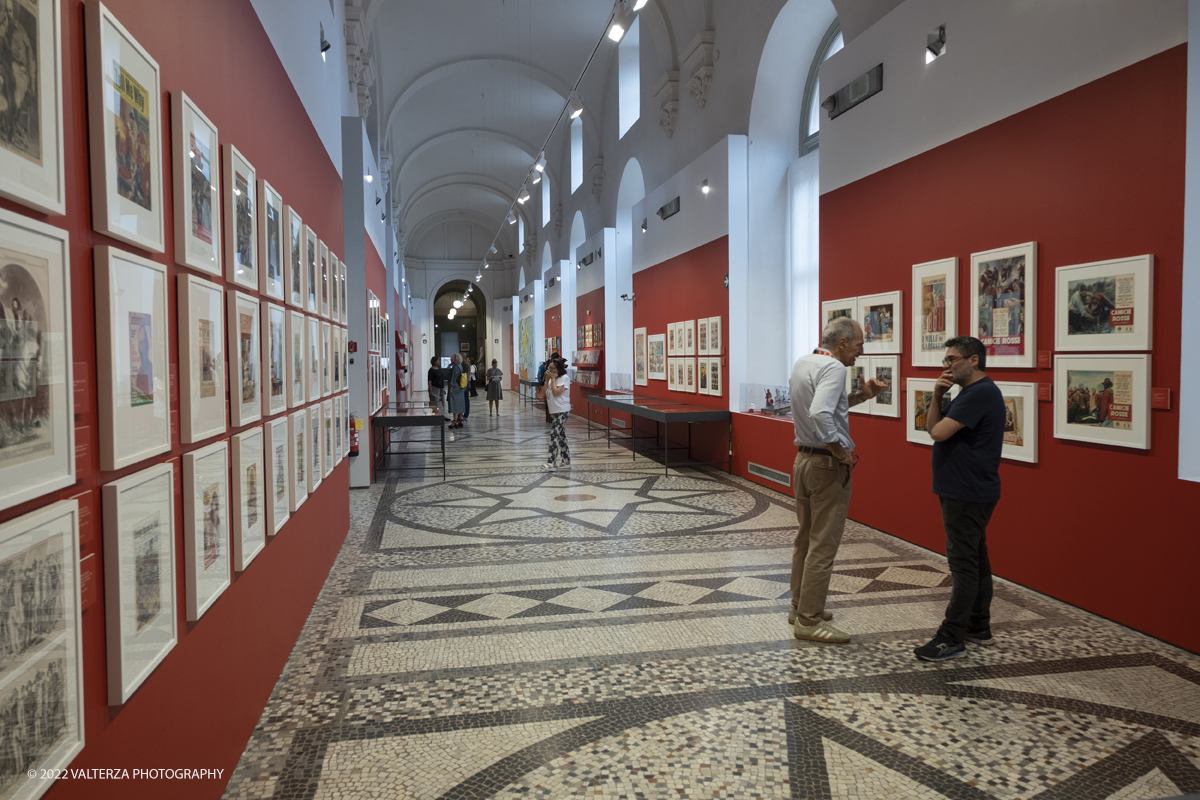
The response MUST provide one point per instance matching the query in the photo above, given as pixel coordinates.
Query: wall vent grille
(769, 474)
(618, 423)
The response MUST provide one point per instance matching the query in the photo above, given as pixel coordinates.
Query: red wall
(554, 326)
(589, 310)
(201, 704)
(1106, 528)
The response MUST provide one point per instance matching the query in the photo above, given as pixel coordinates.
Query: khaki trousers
(822, 487)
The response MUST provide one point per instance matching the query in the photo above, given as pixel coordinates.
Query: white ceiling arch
(450, 187)
(506, 243)
(445, 136)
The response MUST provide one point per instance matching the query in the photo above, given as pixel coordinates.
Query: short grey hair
(837, 329)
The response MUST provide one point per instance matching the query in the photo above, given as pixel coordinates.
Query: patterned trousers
(558, 439)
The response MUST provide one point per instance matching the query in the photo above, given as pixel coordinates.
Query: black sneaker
(940, 648)
(983, 637)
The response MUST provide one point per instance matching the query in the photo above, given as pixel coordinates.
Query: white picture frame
(271, 226)
(326, 370)
(715, 345)
(702, 376)
(124, 92)
(337, 430)
(671, 330)
(277, 482)
(312, 278)
(689, 338)
(240, 218)
(640, 358)
(882, 319)
(323, 276)
(316, 462)
(335, 287)
(248, 511)
(671, 375)
(295, 354)
(342, 269)
(140, 621)
(1020, 421)
(196, 182)
(1005, 279)
(45, 544)
(702, 336)
(206, 502)
(201, 321)
(313, 342)
(245, 385)
(885, 369)
(831, 309)
(298, 453)
(327, 433)
(855, 374)
(1125, 297)
(274, 388)
(335, 361)
(656, 357)
(689, 375)
(32, 169)
(715, 384)
(1129, 376)
(934, 310)
(131, 329)
(294, 251)
(35, 262)
(918, 394)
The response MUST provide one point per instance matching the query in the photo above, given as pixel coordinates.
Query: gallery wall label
(1160, 398)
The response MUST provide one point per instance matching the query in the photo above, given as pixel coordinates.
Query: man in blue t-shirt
(968, 437)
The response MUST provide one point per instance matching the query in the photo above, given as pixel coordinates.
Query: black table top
(659, 409)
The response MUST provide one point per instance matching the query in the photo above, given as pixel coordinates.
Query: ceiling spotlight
(537, 177)
(485, 265)
(638, 5)
(512, 217)
(369, 178)
(704, 186)
(523, 197)
(491, 249)
(325, 45)
(643, 224)
(622, 19)
(540, 166)
(478, 276)
(378, 199)
(458, 303)
(576, 104)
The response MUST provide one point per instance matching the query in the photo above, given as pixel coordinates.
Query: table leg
(442, 428)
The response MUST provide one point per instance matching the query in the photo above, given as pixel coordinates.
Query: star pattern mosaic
(608, 631)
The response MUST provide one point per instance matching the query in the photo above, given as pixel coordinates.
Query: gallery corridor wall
(199, 707)
(1108, 529)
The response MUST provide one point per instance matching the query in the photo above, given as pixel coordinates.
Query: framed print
(245, 401)
(247, 510)
(702, 376)
(131, 350)
(714, 336)
(640, 357)
(920, 396)
(1004, 304)
(1020, 420)
(274, 366)
(326, 371)
(324, 276)
(855, 376)
(294, 249)
(314, 359)
(342, 294)
(139, 576)
(41, 667)
(672, 329)
(124, 133)
(37, 397)
(277, 480)
(298, 444)
(335, 360)
(337, 429)
(832, 309)
(1107, 305)
(1103, 399)
(672, 382)
(270, 242)
(886, 370)
(295, 353)
(702, 337)
(31, 136)
(311, 279)
(934, 310)
(315, 436)
(689, 338)
(194, 154)
(241, 219)
(656, 357)
(201, 320)
(598, 334)
(335, 285)
(205, 527)
(327, 431)
(680, 374)
(880, 316)
(689, 373)
(714, 377)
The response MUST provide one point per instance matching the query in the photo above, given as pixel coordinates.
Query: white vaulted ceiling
(466, 91)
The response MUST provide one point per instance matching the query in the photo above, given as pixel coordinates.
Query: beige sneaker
(825, 615)
(821, 632)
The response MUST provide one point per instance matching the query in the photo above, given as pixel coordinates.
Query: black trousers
(970, 607)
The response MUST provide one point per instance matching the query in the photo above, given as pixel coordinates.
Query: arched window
(810, 122)
(629, 79)
(545, 199)
(576, 154)
(520, 233)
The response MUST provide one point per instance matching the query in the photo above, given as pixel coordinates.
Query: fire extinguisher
(354, 426)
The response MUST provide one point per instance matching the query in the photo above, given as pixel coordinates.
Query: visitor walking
(557, 388)
(494, 377)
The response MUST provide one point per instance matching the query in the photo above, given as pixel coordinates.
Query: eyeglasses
(949, 361)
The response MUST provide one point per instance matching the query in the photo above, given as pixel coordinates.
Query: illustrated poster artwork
(21, 120)
(315, 439)
(703, 377)
(639, 356)
(885, 396)
(702, 337)
(1002, 299)
(714, 376)
(301, 463)
(243, 224)
(33, 716)
(208, 367)
(877, 323)
(1100, 399)
(141, 364)
(214, 536)
(922, 400)
(1100, 306)
(131, 125)
(296, 254)
(1014, 421)
(252, 495)
(274, 263)
(933, 314)
(312, 274)
(656, 359)
(147, 545)
(26, 429)
(714, 336)
(201, 189)
(276, 344)
(298, 361)
(31, 582)
(280, 473)
(249, 369)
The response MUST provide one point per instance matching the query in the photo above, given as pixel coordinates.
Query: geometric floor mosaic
(608, 631)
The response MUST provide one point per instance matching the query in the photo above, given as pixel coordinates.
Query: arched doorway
(466, 332)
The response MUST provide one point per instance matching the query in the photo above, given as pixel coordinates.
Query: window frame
(810, 142)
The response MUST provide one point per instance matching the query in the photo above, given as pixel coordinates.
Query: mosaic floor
(609, 631)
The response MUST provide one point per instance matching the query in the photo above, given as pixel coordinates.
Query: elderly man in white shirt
(821, 473)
